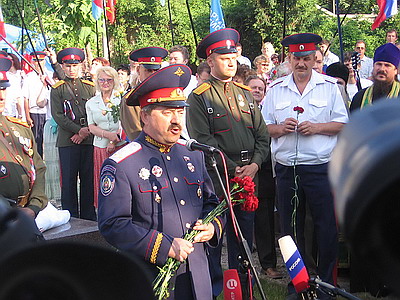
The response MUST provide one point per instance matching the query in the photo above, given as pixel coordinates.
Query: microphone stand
(330, 289)
(246, 259)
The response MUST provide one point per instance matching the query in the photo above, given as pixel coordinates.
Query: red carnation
(299, 109)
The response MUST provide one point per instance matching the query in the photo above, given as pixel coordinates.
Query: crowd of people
(119, 160)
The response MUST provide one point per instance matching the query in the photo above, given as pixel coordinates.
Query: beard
(381, 89)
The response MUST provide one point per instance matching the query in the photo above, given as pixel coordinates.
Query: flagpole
(284, 27)
(97, 38)
(170, 23)
(22, 27)
(191, 22)
(106, 49)
(41, 26)
(339, 31)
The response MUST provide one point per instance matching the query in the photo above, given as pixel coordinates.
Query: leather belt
(244, 156)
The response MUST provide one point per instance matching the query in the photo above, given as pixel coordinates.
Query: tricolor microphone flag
(294, 264)
(387, 9)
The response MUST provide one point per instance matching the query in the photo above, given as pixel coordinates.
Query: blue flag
(216, 16)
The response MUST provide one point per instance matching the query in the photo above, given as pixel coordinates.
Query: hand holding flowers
(242, 192)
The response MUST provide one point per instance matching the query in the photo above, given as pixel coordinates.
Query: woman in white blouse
(103, 119)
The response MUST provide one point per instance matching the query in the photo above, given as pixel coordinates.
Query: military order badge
(144, 173)
(157, 171)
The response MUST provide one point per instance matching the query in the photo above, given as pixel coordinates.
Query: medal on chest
(157, 171)
(241, 100)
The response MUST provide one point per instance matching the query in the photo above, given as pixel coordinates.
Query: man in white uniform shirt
(304, 112)
(36, 93)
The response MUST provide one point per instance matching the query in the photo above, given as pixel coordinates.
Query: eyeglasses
(103, 80)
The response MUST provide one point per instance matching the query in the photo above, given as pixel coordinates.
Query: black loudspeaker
(365, 177)
(72, 271)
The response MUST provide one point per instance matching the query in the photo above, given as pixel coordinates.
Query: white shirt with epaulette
(322, 103)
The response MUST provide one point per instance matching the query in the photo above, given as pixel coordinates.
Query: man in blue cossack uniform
(153, 190)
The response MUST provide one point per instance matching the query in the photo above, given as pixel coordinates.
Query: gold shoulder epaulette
(58, 83)
(245, 87)
(17, 121)
(88, 82)
(202, 88)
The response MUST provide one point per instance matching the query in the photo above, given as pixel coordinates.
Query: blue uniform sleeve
(115, 218)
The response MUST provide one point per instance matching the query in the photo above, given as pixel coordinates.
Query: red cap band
(220, 44)
(3, 75)
(72, 57)
(160, 95)
(151, 60)
(302, 47)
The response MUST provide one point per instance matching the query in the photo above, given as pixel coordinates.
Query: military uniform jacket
(235, 127)
(147, 198)
(14, 178)
(68, 111)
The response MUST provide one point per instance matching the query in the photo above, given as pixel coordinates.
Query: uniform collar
(150, 141)
(315, 79)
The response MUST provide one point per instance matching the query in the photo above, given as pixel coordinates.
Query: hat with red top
(164, 87)
(5, 65)
(301, 44)
(222, 41)
(149, 57)
(38, 55)
(70, 56)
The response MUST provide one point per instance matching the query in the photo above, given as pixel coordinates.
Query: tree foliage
(142, 23)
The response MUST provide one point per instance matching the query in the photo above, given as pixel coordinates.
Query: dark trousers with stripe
(314, 191)
(38, 128)
(77, 160)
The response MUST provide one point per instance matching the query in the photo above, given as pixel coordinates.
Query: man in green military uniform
(22, 171)
(222, 114)
(74, 141)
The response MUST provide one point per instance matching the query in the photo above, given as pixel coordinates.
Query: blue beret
(164, 87)
(388, 53)
(222, 41)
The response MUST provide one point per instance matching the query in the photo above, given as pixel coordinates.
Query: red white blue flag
(97, 9)
(387, 9)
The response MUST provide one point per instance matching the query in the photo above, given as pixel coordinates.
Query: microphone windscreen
(232, 287)
(294, 263)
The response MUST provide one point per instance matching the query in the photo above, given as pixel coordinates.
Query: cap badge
(301, 48)
(228, 43)
(144, 174)
(153, 59)
(179, 72)
(72, 56)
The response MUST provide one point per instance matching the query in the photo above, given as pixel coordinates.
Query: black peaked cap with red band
(301, 44)
(5, 65)
(71, 56)
(149, 57)
(164, 87)
(221, 41)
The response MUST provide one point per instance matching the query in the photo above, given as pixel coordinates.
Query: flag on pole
(216, 16)
(110, 10)
(387, 9)
(97, 9)
(2, 28)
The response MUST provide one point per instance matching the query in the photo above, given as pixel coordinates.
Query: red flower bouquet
(242, 193)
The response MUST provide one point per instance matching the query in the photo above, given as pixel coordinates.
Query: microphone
(232, 286)
(294, 264)
(193, 145)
